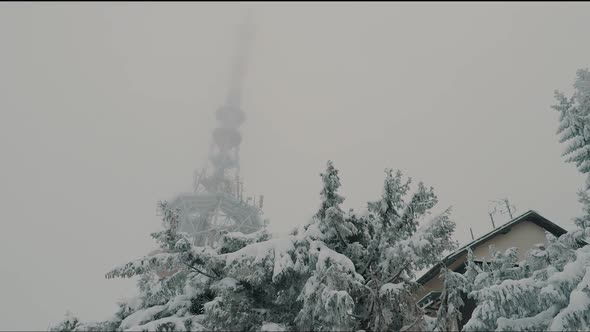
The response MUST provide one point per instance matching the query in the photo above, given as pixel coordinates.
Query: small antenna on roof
(503, 206)
(493, 209)
(472, 237)
(492, 218)
(509, 207)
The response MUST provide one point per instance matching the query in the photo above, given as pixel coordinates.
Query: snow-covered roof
(530, 216)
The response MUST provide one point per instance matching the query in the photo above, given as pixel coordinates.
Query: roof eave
(530, 215)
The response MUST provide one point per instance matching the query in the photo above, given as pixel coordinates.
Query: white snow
(271, 327)
(130, 269)
(226, 283)
(276, 249)
(251, 236)
(326, 254)
(177, 321)
(141, 316)
(313, 232)
(528, 323)
(391, 288)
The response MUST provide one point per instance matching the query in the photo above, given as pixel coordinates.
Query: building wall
(524, 235)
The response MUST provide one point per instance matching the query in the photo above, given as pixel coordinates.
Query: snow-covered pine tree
(300, 281)
(182, 287)
(69, 323)
(385, 247)
(329, 294)
(378, 253)
(248, 282)
(481, 278)
(267, 277)
(170, 281)
(399, 236)
(330, 218)
(532, 298)
(550, 295)
(309, 280)
(472, 270)
(449, 312)
(574, 122)
(164, 282)
(235, 285)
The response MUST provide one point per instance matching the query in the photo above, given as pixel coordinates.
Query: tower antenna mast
(216, 205)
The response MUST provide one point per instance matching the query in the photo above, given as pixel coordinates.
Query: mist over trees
(342, 270)
(345, 270)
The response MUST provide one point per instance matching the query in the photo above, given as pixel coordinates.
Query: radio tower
(217, 203)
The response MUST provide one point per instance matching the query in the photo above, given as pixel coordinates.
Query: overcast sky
(106, 108)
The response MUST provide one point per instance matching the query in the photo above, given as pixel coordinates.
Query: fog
(106, 108)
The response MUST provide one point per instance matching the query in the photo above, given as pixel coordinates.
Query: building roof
(530, 215)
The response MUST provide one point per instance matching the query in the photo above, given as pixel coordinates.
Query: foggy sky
(106, 108)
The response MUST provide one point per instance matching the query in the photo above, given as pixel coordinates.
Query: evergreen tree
(329, 294)
(480, 279)
(169, 281)
(549, 293)
(341, 271)
(330, 219)
(574, 122)
(166, 282)
(380, 252)
(449, 312)
(399, 239)
(70, 323)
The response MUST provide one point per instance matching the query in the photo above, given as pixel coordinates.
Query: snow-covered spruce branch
(199, 271)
